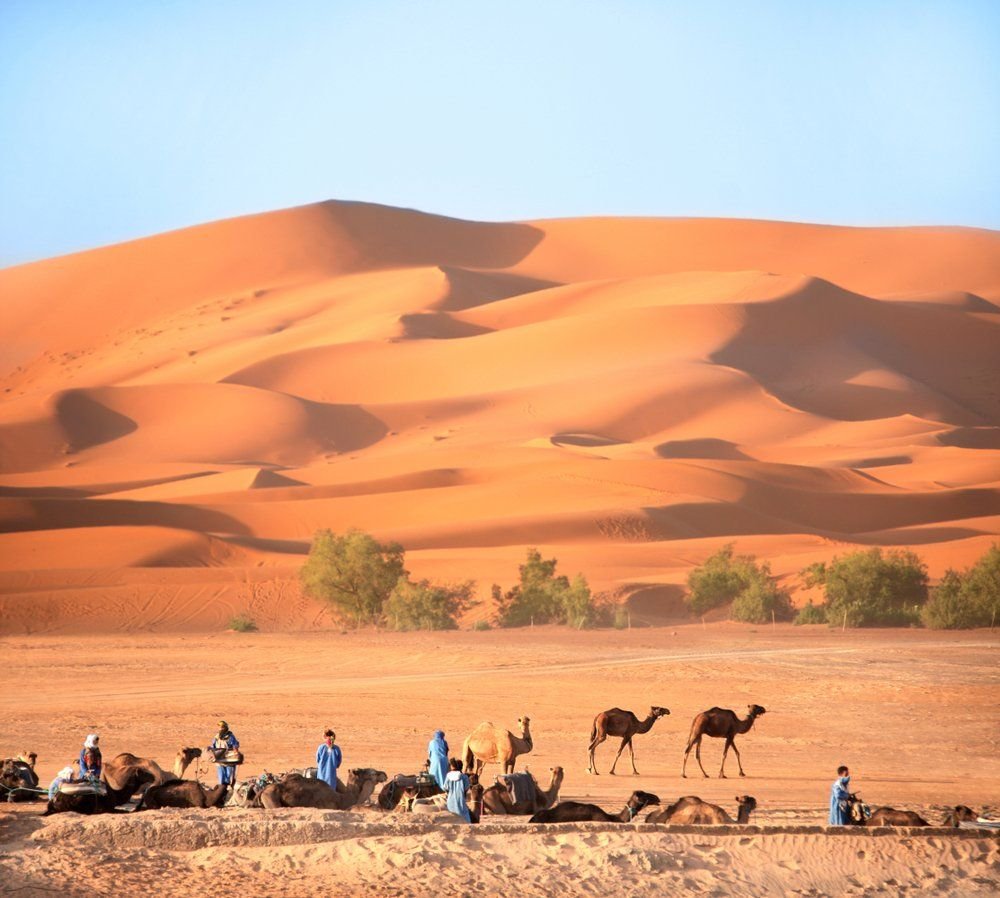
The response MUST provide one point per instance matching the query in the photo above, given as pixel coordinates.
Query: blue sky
(122, 119)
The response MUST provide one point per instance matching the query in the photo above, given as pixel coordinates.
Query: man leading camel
(840, 795)
(328, 758)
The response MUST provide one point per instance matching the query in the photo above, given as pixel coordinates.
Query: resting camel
(576, 812)
(486, 743)
(18, 776)
(497, 800)
(692, 809)
(720, 723)
(438, 804)
(959, 814)
(295, 791)
(892, 817)
(182, 794)
(617, 722)
(403, 784)
(90, 803)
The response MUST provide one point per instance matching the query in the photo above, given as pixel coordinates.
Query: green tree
(869, 588)
(811, 614)
(964, 601)
(543, 597)
(761, 599)
(353, 572)
(726, 577)
(427, 606)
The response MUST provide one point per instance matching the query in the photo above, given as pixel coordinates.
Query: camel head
(367, 775)
(747, 801)
(557, 773)
(657, 712)
(957, 814)
(189, 754)
(755, 711)
(523, 723)
(639, 800)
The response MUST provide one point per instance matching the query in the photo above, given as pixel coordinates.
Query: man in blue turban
(437, 754)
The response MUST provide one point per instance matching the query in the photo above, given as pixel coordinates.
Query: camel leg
(621, 748)
(687, 751)
(593, 746)
(697, 755)
(738, 761)
(725, 751)
(631, 752)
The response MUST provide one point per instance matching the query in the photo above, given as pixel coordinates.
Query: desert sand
(181, 413)
(914, 713)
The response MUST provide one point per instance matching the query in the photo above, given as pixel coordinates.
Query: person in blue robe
(456, 784)
(437, 755)
(328, 758)
(226, 741)
(90, 758)
(840, 794)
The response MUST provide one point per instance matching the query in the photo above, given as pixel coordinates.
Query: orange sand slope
(627, 394)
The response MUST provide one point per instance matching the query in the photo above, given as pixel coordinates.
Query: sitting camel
(892, 817)
(182, 794)
(497, 798)
(959, 814)
(576, 812)
(692, 809)
(486, 743)
(295, 791)
(18, 779)
(105, 801)
(720, 723)
(616, 722)
(438, 804)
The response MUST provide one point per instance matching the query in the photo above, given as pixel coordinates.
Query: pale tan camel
(296, 791)
(120, 768)
(616, 722)
(692, 809)
(722, 724)
(438, 804)
(497, 800)
(183, 760)
(486, 744)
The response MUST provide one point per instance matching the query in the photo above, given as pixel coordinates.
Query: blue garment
(456, 785)
(227, 774)
(840, 815)
(437, 754)
(90, 763)
(55, 784)
(327, 762)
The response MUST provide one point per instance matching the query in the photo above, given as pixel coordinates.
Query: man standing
(225, 741)
(328, 758)
(840, 808)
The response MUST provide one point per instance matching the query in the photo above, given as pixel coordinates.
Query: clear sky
(121, 119)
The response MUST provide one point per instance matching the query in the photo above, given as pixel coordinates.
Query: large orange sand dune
(626, 394)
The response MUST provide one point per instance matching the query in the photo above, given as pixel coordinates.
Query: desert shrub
(725, 577)
(354, 572)
(869, 588)
(481, 625)
(761, 599)
(427, 606)
(242, 623)
(811, 614)
(964, 601)
(542, 597)
(620, 620)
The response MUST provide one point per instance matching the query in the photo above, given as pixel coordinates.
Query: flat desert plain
(180, 414)
(913, 713)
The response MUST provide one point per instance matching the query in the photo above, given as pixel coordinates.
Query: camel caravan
(449, 788)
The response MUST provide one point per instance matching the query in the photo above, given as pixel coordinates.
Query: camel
(183, 760)
(720, 723)
(616, 722)
(295, 791)
(892, 817)
(438, 804)
(182, 794)
(486, 744)
(18, 778)
(497, 800)
(576, 812)
(404, 785)
(692, 809)
(85, 802)
(958, 815)
(117, 771)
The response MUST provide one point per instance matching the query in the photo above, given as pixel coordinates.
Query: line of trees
(867, 588)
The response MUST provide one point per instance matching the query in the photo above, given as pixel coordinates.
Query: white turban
(65, 774)
(91, 741)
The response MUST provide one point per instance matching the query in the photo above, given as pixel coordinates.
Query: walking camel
(691, 809)
(720, 723)
(616, 722)
(486, 743)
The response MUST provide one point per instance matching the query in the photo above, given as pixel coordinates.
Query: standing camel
(692, 809)
(720, 723)
(617, 722)
(486, 743)
(497, 798)
(578, 812)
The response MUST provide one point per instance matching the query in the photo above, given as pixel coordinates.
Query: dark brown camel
(90, 803)
(959, 814)
(616, 722)
(720, 723)
(692, 809)
(18, 779)
(404, 784)
(497, 800)
(295, 791)
(892, 817)
(182, 794)
(577, 812)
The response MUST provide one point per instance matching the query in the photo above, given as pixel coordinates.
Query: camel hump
(717, 710)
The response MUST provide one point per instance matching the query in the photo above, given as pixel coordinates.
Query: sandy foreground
(915, 714)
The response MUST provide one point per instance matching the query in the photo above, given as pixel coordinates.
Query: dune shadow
(708, 447)
(971, 438)
(656, 603)
(343, 428)
(87, 422)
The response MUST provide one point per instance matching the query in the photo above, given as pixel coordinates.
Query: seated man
(63, 776)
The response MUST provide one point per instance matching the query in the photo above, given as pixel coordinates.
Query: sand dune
(214, 395)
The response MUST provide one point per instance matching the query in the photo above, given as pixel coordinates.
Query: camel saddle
(83, 788)
(228, 757)
(520, 786)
